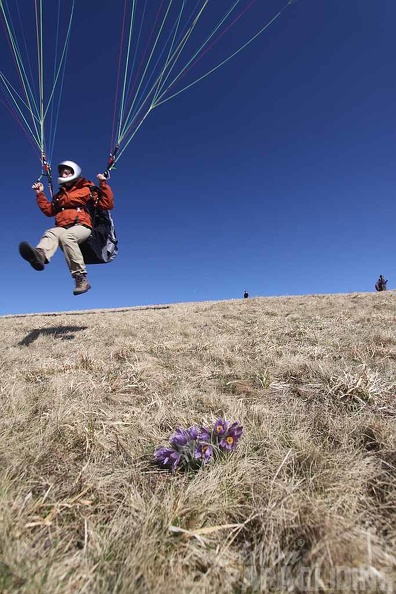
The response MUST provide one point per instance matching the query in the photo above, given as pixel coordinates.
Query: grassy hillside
(306, 502)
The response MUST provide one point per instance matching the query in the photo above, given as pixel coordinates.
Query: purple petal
(204, 434)
(175, 458)
(230, 440)
(236, 427)
(229, 443)
(235, 430)
(193, 433)
(204, 452)
(165, 456)
(220, 427)
(179, 438)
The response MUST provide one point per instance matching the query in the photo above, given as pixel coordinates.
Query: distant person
(245, 295)
(73, 224)
(380, 285)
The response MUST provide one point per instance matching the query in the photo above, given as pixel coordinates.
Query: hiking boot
(82, 284)
(35, 256)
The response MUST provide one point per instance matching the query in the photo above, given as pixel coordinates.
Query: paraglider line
(223, 62)
(118, 75)
(12, 111)
(10, 34)
(217, 39)
(122, 133)
(181, 47)
(174, 58)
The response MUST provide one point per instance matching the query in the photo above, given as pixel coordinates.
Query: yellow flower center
(230, 440)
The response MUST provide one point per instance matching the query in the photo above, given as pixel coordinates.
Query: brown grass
(307, 502)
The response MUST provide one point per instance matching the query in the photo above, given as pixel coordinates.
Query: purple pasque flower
(231, 437)
(167, 457)
(179, 438)
(204, 434)
(204, 452)
(220, 427)
(193, 433)
(198, 445)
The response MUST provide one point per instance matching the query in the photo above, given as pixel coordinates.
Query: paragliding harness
(101, 246)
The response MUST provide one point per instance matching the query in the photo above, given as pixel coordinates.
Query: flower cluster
(189, 448)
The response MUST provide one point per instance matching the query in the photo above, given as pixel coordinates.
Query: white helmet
(70, 165)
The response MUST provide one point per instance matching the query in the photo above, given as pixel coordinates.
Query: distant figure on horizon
(245, 295)
(380, 285)
(73, 223)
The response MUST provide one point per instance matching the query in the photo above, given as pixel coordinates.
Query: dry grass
(306, 503)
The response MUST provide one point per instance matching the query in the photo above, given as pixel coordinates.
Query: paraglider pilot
(380, 285)
(73, 222)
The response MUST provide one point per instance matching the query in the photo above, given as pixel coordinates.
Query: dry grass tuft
(306, 503)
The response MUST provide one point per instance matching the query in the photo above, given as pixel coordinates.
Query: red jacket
(67, 205)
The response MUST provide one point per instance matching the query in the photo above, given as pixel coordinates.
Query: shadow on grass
(62, 332)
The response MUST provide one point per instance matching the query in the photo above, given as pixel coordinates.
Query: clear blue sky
(275, 174)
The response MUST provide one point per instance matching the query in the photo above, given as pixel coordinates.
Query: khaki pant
(68, 240)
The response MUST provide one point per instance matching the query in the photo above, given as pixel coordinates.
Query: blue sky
(275, 174)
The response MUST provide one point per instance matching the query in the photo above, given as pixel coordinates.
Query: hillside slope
(306, 500)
